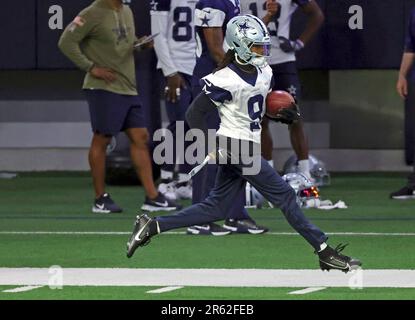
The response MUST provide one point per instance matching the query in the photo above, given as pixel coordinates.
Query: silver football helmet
(303, 187)
(317, 169)
(243, 32)
(111, 146)
(252, 197)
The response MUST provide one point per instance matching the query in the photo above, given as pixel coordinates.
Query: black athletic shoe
(244, 226)
(104, 204)
(403, 194)
(141, 234)
(210, 229)
(332, 259)
(161, 203)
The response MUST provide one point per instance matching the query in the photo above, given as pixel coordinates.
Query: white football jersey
(240, 98)
(279, 27)
(175, 45)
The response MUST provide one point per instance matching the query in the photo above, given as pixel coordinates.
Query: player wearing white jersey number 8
(175, 48)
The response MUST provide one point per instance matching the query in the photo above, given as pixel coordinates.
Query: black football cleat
(211, 229)
(332, 259)
(141, 234)
(244, 226)
(403, 194)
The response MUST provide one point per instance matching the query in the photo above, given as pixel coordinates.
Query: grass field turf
(62, 202)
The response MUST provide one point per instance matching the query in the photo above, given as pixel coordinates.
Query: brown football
(277, 100)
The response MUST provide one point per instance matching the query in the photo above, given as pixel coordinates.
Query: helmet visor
(261, 49)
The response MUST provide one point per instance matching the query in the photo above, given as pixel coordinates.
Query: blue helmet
(243, 32)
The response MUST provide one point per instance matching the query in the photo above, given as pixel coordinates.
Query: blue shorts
(286, 78)
(112, 113)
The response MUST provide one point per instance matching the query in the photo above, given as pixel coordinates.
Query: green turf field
(45, 220)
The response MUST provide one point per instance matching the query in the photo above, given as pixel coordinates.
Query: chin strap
(242, 62)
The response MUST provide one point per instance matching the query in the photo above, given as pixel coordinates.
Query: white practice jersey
(279, 27)
(175, 45)
(240, 98)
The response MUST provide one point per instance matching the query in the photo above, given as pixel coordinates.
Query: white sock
(166, 175)
(304, 167)
(183, 177)
(323, 246)
(271, 163)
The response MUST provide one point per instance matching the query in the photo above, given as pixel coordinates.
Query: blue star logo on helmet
(243, 27)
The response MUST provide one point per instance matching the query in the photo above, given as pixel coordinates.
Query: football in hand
(278, 100)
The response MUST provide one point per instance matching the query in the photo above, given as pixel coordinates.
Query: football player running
(238, 89)
(277, 15)
(211, 18)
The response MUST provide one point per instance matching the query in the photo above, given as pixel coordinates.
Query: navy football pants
(204, 181)
(229, 183)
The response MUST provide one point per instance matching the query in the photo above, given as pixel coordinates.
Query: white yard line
(165, 289)
(381, 234)
(22, 289)
(211, 277)
(75, 233)
(307, 290)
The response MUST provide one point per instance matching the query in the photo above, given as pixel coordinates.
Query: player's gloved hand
(287, 115)
(288, 46)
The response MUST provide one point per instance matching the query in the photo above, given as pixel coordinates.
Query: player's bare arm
(406, 64)
(314, 21)
(272, 7)
(214, 41)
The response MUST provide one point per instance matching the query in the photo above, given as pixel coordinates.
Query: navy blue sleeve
(301, 3)
(215, 93)
(196, 112)
(214, 4)
(272, 83)
(160, 5)
(410, 34)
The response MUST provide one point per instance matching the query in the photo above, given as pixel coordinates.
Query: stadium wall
(348, 77)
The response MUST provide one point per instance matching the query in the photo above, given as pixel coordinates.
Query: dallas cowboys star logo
(292, 90)
(244, 27)
(205, 21)
(154, 5)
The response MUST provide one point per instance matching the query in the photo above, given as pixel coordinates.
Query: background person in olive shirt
(100, 41)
